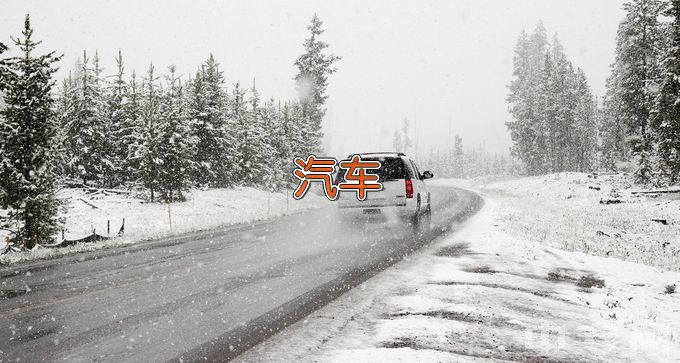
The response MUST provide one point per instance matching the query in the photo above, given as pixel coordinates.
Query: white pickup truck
(404, 195)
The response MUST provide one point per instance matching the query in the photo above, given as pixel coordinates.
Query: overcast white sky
(445, 64)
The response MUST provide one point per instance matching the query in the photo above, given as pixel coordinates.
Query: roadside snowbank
(204, 209)
(482, 294)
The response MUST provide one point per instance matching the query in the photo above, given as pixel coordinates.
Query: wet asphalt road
(201, 296)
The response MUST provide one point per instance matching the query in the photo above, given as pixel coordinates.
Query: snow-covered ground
(204, 209)
(489, 292)
(599, 216)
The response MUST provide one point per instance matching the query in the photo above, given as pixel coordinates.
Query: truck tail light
(409, 188)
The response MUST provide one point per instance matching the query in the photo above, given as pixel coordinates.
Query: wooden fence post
(169, 216)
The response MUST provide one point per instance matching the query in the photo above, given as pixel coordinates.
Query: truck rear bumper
(396, 212)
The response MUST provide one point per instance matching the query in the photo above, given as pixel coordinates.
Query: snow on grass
(204, 209)
(482, 294)
(566, 211)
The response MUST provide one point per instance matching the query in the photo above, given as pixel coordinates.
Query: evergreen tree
(107, 162)
(314, 67)
(199, 130)
(540, 103)
(406, 140)
(148, 151)
(27, 132)
(525, 100)
(639, 46)
(255, 147)
(545, 124)
(129, 135)
(274, 161)
(299, 129)
(291, 144)
(397, 142)
(584, 134)
(65, 109)
(120, 133)
(207, 110)
(401, 141)
(521, 128)
(174, 146)
(4, 73)
(613, 132)
(241, 120)
(563, 87)
(87, 128)
(666, 119)
(459, 171)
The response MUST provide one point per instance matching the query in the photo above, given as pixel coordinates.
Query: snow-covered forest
(166, 133)
(557, 123)
(155, 131)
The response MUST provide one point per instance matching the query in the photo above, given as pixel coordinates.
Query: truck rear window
(390, 169)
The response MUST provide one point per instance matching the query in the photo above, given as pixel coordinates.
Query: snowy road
(205, 295)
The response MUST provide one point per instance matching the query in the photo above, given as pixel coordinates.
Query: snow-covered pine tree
(207, 110)
(131, 135)
(291, 140)
(147, 151)
(107, 161)
(563, 88)
(520, 127)
(458, 171)
(314, 66)
(174, 146)
(526, 103)
(584, 134)
(639, 46)
(405, 131)
(240, 119)
(86, 130)
(4, 74)
(271, 177)
(538, 50)
(281, 142)
(547, 111)
(27, 131)
(397, 142)
(298, 129)
(401, 142)
(612, 131)
(120, 133)
(64, 110)
(200, 131)
(253, 142)
(666, 118)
